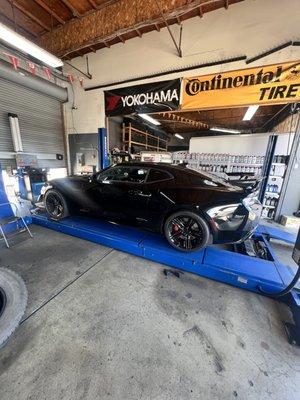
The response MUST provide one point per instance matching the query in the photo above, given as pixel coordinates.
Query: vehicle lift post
(103, 149)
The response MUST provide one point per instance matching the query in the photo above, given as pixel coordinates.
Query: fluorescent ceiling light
(227, 130)
(178, 136)
(149, 119)
(250, 112)
(26, 46)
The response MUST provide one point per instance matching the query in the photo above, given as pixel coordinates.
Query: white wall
(241, 145)
(284, 143)
(291, 200)
(249, 27)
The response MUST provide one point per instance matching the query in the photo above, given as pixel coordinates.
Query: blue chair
(11, 221)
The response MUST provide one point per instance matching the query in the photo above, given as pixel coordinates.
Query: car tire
(199, 230)
(56, 205)
(13, 302)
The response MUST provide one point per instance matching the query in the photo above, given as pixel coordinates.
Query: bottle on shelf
(271, 213)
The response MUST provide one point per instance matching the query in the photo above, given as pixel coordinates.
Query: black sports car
(191, 209)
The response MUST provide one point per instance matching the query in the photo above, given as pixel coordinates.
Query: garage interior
(191, 136)
(96, 308)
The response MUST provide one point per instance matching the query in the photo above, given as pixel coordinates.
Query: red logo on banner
(47, 72)
(112, 101)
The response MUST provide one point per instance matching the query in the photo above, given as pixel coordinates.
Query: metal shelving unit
(275, 181)
(221, 164)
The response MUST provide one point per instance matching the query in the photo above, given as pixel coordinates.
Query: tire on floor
(13, 302)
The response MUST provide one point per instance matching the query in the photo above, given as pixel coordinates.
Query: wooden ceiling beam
(185, 123)
(93, 4)
(121, 38)
(138, 32)
(30, 15)
(50, 11)
(95, 26)
(79, 53)
(70, 6)
(200, 11)
(105, 4)
(19, 27)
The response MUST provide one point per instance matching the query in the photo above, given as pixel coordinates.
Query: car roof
(150, 165)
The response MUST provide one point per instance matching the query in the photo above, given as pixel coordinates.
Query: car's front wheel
(56, 205)
(186, 231)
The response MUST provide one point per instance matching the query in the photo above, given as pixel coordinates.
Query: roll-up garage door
(40, 121)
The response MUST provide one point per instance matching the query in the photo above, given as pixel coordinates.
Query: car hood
(72, 178)
(71, 183)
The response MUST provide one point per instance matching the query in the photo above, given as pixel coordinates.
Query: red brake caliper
(175, 228)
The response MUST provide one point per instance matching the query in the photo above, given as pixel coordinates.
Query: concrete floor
(102, 324)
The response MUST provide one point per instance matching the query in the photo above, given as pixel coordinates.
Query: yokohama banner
(149, 98)
(271, 84)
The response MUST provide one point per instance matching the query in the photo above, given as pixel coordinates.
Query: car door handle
(139, 193)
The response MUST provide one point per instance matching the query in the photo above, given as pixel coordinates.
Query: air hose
(285, 291)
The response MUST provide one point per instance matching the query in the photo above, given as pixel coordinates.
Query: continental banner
(271, 84)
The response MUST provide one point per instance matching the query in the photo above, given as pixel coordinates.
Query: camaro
(191, 209)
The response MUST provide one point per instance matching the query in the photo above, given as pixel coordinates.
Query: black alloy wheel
(54, 205)
(186, 231)
(2, 301)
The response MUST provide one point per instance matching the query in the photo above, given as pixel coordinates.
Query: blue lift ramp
(243, 271)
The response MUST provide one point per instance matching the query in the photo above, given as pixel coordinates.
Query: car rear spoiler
(248, 185)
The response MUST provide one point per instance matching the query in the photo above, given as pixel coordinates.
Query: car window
(158, 175)
(106, 175)
(124, 174)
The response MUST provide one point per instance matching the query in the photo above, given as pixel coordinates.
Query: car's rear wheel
(56, 205)
(186, 231)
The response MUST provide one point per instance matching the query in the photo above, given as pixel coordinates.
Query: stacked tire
(13, 302)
